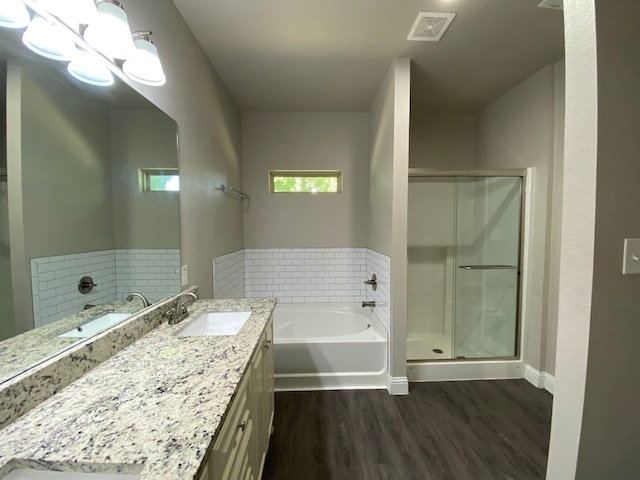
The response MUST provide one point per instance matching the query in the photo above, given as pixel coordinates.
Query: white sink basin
(96, 325)
(216, 323)
(28, 474)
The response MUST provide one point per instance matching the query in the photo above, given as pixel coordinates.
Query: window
(305, 181)
(159, 180)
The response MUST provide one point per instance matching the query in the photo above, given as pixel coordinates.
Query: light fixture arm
(146, 36)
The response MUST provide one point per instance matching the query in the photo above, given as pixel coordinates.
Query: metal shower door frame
(508, 172)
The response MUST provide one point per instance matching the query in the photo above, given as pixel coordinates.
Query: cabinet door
(226, 450)
(268, 379)
(205, 473)
(266, 405)
(257, 365)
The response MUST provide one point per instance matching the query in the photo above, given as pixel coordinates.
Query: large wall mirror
(87, 191)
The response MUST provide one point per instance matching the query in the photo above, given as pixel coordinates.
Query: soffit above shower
(332, 55)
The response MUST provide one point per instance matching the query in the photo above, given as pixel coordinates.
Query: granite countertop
(27, 349)
(154, 408)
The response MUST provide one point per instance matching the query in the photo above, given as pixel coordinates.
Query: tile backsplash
(293, 275)
(155, 273)
(228, 275)
(306, 275)
(380, 264)
(54, 280)
(54, 283)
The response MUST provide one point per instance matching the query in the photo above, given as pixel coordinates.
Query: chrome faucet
(373, 282)
(180, 312)
(144, 299)
(371, 303)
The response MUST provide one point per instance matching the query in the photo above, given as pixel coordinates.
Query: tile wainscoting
(306, 275)
(228, 275)
(54, 280)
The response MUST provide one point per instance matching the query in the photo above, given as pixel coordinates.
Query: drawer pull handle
(243, 425)
(267, 344)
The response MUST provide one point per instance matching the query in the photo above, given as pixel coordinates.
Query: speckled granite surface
(27, 390)
(158, 404)
(23, 351)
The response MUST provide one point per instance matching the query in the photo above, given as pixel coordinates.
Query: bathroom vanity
(167, 407)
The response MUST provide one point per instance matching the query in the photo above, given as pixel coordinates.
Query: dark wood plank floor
(441, 431)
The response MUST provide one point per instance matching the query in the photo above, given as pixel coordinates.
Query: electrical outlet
(184, 274)
(631, 256)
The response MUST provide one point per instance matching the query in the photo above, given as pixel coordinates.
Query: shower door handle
(487, 267)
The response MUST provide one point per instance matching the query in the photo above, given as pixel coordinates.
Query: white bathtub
(328, 346)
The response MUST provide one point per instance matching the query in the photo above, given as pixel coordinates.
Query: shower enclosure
(464, 249)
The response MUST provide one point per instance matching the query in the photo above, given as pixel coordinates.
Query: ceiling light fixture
(86, 68)
(109, 32)
(143, 65)
(49, 40)
(14, 14)
(72, 12)
(54, 33)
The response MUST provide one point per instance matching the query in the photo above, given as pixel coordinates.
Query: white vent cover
(430, 26)
(554, 4)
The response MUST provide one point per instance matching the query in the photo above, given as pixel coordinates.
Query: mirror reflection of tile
(117, 272)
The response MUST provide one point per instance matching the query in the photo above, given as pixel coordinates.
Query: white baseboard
(398, 386)
(328, 381)
(460, 371)
(540, 379)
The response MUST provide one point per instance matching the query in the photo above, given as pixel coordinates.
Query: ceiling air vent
(430, 26)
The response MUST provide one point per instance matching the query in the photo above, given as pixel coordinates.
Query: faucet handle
(169, 314)
(373, 282)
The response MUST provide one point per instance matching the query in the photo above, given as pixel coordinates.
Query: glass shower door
(487, 266)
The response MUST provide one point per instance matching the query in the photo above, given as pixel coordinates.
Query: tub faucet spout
(371, 303)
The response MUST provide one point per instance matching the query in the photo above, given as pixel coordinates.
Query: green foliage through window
(159, 180)
(306, 182)
(164, 183)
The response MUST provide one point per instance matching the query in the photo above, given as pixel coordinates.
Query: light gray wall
(143, 139)
(443, 140)
(554, 220)
(3, 117)
(304, 141)
(517, 131)
(59, 168)
(577, 243)
(381, 118)
(209, 128)
(6, 290)
(66, 173)
(23, 315)
(388, 199)
(611, 422)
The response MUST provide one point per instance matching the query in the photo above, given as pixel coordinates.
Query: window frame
(145, 174)
(337, 174)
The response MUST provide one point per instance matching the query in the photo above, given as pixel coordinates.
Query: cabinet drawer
(226, 447)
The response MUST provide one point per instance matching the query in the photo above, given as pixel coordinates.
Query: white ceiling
(331, 55)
